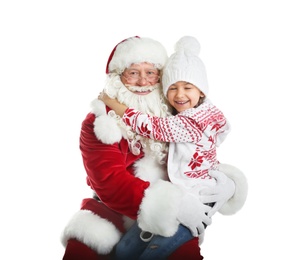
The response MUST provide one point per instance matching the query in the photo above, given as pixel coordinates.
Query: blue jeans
(132, 247)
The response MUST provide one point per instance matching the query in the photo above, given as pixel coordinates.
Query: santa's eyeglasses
(135, 76)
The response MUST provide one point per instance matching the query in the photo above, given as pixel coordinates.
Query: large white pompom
(188, 44)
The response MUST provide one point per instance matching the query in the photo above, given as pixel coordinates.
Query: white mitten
(220, 193)
(193, 214)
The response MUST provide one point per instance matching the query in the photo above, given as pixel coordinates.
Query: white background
(52, 64)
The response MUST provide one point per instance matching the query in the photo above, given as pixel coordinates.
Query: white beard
(153, 103)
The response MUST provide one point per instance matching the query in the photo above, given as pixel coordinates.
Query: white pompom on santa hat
(136, 50)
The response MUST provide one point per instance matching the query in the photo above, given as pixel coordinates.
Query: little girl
(194, 131)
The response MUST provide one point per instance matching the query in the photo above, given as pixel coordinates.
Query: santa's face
(140, 78)
(138, 87)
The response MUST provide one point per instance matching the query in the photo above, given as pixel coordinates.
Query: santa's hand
(220, 193)
(193, 214)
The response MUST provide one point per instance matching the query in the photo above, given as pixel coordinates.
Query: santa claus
(127, 172)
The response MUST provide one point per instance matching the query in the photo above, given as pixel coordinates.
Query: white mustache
(141, 89)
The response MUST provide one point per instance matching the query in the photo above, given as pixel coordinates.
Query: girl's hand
(105, 98)
(218, 194)
(112, 103)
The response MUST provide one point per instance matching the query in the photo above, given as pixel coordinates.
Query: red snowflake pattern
(196, 161)
(144, 130)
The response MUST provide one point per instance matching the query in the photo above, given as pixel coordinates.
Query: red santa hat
(136, 50)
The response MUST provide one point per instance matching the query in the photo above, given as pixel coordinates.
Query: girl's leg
(161, 247)
(130, 245)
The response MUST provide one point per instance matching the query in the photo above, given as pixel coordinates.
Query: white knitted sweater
(193, 134)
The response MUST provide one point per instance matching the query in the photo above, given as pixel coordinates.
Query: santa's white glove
(193, 214)
(220, 193)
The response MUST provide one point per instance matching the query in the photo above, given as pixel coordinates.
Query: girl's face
(184, 95)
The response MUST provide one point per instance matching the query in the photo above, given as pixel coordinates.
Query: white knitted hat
(136, 50)
(185, 65)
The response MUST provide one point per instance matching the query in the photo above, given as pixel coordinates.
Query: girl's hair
(202, 99)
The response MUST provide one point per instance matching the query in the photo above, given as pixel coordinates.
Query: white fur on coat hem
(159, 209)
(237, 201)
(97, 233)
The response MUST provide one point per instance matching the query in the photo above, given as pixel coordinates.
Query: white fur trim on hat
(237, 201)
(137, 50)
(97, 233)
(185, 65)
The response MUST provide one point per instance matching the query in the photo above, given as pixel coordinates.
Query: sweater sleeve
(187, 126)
(177, 128)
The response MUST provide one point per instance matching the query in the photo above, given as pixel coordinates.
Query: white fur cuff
(159, 209)
(237, 201)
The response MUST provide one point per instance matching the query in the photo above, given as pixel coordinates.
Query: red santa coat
(111, 172)
(150, 199)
